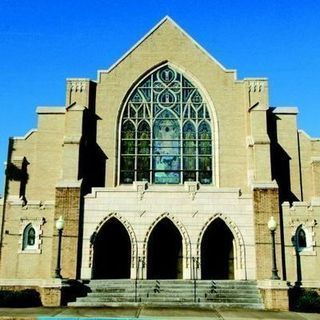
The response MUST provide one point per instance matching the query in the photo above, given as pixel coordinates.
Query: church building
(166, 167)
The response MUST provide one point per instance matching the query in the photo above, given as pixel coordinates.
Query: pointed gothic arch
(235, 257)
(112, 248)
(168, 89)
(166, 228)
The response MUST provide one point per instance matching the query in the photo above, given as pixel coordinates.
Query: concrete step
(167, 292)
(257, 306)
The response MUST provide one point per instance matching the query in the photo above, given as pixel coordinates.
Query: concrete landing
(148, 313)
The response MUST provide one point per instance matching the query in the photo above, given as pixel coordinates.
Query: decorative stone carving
(191, 187)
(140, 187)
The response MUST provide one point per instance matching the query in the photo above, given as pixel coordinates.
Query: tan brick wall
(16, 263)
(266, 205)
(275, 299)
(68, 206)
(228, 99)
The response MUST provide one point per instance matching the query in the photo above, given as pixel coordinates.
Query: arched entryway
(112, 252)
(164, 251)
(217, 253)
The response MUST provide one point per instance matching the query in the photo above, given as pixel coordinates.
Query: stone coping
(52, 282)
(272, 284)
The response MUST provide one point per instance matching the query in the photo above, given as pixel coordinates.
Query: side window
(29, 238)
(301, 239)
(30, 241)
(303, 234)
(304, 242)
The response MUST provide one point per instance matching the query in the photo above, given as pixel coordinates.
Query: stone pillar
(68, 205)
(274, 294)
(266, 204)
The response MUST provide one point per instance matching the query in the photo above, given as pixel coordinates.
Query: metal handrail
(136, 280)
(195, 266)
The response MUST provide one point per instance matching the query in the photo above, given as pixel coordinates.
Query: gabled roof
(166, 19)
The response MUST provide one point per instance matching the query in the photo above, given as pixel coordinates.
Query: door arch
(112, 251)
(164, 253)
(217, 251)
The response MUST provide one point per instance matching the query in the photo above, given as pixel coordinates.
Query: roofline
(308, 136)
(285, 110)
(152, 31)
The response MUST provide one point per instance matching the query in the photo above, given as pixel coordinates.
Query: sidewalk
(149, 313)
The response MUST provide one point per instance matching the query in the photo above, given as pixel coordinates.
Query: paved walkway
(149, 313)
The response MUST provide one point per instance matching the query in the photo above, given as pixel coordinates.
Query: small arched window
(29, 237)
(301, 239)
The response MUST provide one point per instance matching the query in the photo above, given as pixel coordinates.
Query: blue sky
(44, 42)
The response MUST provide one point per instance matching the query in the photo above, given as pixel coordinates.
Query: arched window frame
(308, 247)
(205, 166)
(26, 227)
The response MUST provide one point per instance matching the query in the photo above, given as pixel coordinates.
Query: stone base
(53, 292)
(274, 294)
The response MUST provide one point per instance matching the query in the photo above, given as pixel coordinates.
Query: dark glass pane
(200, 113)
(193, 113)
(167, 75)
(127, 163)
(176, 109)
(196, 98)
(144, 147)
(189, 163)
(136, 97)
(186, 93)
(127, 147)
(205, 163)
(205, 177)
(31, 237)
(128, 130)
(132, 112)
(302, 243)
(166, 98)
(189, 176)
(140, 113)
(143, 175)
(143, 163)
(189, 131)
(127, 176)
(205, 147)
(143, 130)
(145, 93)
(204, 131)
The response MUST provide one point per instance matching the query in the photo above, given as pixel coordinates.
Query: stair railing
(136, 280)
(195, 267)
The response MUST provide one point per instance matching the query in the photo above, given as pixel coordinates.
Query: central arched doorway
(217, 254)
(165, 251)
(112, 252)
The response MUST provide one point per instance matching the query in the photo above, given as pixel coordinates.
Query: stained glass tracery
(166, 134)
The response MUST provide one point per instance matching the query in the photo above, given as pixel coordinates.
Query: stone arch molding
(129, 229)
(239, 242)
(182, 229)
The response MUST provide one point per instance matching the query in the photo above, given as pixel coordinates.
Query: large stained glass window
(166, 134)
